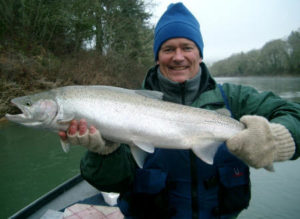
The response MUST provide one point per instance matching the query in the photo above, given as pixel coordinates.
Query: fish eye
(28, 103)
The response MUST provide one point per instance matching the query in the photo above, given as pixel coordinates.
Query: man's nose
(178, 56)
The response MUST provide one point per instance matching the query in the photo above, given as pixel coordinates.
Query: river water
(32, 163)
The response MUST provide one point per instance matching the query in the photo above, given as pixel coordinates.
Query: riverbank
(10, 90)
(26, 73)
(3, 120)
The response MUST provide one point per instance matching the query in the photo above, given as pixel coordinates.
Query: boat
(74, 190)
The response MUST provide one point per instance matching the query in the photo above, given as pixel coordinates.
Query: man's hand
(79, 134)
(262, 142)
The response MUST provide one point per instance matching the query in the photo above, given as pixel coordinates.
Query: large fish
(138, 118)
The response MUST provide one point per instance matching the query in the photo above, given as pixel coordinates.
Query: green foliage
(65, 26)
(50, 43)
(294, 51)
(27, 23)
(277, 57)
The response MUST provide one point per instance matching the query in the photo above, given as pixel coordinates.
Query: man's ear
(200, 60)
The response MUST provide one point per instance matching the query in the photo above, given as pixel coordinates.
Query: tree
(31, 22)
(63, 26)
(274, 57)
(294, 51)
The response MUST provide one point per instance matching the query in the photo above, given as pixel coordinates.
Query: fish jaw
(23, 118)
(39, 114)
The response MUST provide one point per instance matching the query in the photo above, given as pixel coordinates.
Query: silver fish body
(138, 118)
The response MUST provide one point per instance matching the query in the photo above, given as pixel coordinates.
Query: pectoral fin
(139, 155)
(65, 120)
(207, 150)
(65, 146)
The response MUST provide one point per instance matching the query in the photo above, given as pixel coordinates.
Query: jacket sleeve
(245, 100)
(110, 173)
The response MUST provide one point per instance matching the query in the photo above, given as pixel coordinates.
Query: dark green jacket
(115, 172)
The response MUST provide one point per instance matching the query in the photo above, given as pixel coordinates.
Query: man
(175, 183)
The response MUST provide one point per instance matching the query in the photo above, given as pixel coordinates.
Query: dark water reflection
(31, 163)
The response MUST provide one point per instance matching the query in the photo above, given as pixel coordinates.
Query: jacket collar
(205, 82)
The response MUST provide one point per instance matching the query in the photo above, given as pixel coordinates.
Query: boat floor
(62, 197)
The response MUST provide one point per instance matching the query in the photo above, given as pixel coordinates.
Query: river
(32, 162)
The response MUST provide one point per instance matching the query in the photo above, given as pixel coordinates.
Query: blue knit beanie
(177, 22)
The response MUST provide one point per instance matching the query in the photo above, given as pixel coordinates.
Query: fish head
(36, 111)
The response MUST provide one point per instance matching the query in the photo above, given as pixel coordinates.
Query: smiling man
(179, 59)
(178, 44)
(175, 183)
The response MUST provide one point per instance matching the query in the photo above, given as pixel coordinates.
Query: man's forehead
(178, 41)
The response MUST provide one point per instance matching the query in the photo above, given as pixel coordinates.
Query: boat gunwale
(46, 198)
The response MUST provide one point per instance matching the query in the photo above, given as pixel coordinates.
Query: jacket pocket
(149, 181)
(150, 196)
(234, 188)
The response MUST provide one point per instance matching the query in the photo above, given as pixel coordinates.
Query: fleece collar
(174, 92)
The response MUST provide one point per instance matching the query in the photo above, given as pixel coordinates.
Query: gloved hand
(262, 142)
(79, 134)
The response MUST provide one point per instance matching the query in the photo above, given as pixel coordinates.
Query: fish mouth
(20, 113)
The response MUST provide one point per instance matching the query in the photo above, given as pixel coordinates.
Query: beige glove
(89, 138)
(261, 143)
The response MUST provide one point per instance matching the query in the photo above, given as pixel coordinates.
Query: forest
(50, 43)
(280, 57)
(53, 37)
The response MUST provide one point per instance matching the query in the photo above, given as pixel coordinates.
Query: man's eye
(168, 49)
(187, 48)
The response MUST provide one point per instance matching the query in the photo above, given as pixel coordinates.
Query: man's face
(179, 59)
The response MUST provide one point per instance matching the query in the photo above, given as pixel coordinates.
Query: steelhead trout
(138, 118)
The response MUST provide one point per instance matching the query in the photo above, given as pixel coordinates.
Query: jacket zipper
(182, 85)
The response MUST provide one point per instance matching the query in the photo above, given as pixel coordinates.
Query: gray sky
(233, 26)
